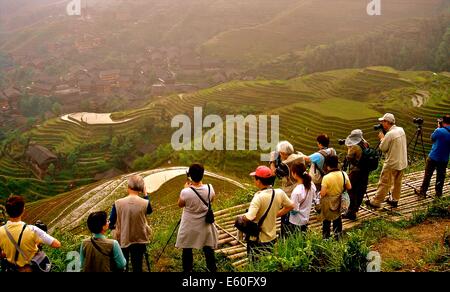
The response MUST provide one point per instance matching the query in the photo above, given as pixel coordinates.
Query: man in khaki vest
(393, 144)
(98, 253)
(129, 219)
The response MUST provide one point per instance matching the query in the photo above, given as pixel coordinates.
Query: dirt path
(414, 249)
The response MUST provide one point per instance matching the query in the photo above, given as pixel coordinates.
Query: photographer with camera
(359, 173)
(195, 231)
(438, 157)
(267, 205)
(20, 242)
(281, 165)
(282, 161)
(393, 145)
(129, 220)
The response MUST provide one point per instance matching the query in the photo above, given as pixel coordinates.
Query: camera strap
(204, 202)
(261, 221)
(16, 245)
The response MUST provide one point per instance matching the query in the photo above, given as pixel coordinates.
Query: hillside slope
(332, 102)
(312, 23)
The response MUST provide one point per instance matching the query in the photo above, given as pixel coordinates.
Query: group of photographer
(325, 185)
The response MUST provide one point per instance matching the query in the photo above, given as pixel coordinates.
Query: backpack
(251, 228)
(318, 173)
(370, 158)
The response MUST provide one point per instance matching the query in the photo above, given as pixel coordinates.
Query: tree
(56, 109)
(51, 170)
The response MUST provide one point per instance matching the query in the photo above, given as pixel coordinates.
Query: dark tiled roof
(40, 154)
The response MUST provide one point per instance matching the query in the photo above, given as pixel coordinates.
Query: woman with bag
(196, 228)
(20, 242)
(334, 184)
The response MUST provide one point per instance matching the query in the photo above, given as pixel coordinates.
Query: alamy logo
(74, 8)
(374, 8)
(213, 139)
(374, 262)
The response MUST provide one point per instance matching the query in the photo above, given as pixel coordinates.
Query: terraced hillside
(333, 102)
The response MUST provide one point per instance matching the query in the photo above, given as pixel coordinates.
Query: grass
(310, 253)
(392, 265)
(340, 108)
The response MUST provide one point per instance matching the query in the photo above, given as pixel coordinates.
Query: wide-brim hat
(355, 137)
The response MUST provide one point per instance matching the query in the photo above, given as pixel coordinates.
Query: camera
(281, 169)
(440, 122)
(341, 142)
(41, 225)
(378, 127)
(418, 121)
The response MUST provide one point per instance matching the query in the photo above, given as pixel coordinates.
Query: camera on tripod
(418, 121)
(417, 139)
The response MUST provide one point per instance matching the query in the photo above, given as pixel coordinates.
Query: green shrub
(310, 253)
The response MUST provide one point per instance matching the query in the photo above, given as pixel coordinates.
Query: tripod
(167, 243)
(415, 139)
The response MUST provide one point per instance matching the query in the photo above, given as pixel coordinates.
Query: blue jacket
(441, 144)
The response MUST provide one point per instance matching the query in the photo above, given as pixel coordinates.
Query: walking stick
(167, 243)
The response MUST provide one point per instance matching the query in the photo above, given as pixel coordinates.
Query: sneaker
(369, 204)
(393, 204)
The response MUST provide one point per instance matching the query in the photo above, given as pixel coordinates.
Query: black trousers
(337, 228)
(255, 248)
(440, 168)
(359, 180)
(188, 259)
(137, 252)
(292, 228)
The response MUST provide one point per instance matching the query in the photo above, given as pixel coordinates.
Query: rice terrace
(97, 104)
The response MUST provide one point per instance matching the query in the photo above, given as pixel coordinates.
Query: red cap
(263, 172)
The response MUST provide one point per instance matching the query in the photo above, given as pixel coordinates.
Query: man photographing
(394, 146)
(129, 219)
(438, 158)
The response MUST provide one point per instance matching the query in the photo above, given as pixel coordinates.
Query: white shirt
(302, 204)
(46, 238)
